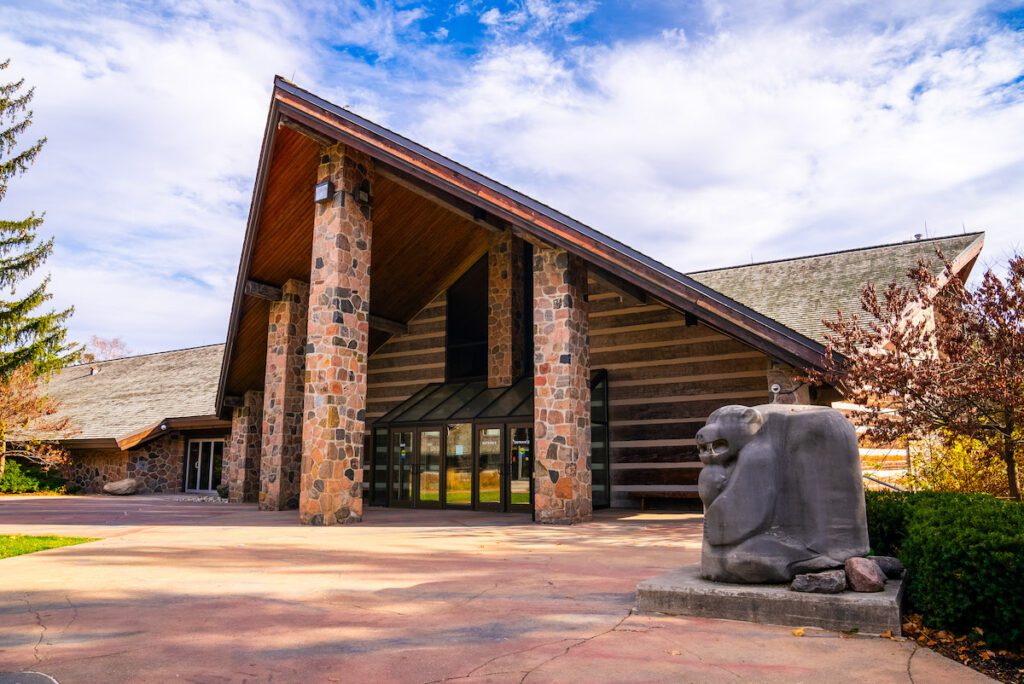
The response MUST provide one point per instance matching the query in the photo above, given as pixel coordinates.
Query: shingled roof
(124, 401)
(800, 292)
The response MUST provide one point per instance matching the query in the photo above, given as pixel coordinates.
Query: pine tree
(28, 336)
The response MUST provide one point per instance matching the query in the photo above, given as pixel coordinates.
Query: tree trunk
(1009, 454)
(1011, 468)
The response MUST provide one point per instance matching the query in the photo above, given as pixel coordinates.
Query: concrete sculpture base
(685, 592)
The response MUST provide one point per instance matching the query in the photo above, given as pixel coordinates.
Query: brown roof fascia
(676, 289)
(164, 426)
(245, 258)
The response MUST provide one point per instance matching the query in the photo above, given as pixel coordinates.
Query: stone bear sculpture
(782, 493)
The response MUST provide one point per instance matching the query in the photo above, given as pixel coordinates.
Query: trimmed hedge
(27, 478)
(965, 558)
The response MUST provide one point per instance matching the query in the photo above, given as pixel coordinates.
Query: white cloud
(765, 140)
(755, 131)
(154, 121)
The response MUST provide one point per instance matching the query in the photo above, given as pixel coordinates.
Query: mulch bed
(969, 649)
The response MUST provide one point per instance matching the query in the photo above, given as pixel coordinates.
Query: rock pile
(858, 574)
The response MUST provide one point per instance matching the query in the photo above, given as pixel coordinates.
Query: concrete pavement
(201, 592)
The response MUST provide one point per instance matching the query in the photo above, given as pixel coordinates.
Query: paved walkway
(205, 592)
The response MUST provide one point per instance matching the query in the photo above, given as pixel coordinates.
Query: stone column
(561, 415)
(505, 310)
(283, 396)
(243, 455)
(791, 389)
(337, 345)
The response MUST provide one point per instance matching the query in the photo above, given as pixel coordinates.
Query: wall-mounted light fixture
(362, 192)
(324, 192)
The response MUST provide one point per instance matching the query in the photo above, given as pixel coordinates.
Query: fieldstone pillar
(283, 396)
(562, 479)
(243, 457)
(505, 310)
(791, 389)
(337, 344)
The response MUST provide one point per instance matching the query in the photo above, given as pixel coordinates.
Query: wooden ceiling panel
(419, 247)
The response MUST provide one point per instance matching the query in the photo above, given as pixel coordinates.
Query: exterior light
(324, 192)
(362, 193)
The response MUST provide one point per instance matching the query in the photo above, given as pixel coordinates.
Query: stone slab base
(685, 592)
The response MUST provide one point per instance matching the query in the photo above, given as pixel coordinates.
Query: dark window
(466, 357)
(527, 309)
(600, 449)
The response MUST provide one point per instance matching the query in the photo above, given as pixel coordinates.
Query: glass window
(600, 449)
(459, 465)
(506, 404)
(379, 494)
(466, 338)
(488, 481)
(478, 403)
(428, 404)
(430, 466)
(401, 468)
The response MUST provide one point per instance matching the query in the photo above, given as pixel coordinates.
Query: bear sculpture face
(727, 431)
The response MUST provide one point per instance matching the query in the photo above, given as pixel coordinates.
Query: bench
(661, 494)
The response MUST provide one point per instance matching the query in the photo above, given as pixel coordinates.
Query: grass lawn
(17, 544)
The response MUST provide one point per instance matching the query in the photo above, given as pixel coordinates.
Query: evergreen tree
(28, 336)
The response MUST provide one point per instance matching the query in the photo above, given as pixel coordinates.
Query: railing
(883, 483)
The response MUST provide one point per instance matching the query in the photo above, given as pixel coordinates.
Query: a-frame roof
(475, 199)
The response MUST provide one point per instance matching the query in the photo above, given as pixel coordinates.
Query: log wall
(664, 379)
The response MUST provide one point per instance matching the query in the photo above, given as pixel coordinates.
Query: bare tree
(104, 349)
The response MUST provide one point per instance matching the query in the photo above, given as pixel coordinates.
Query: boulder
(122, 487)
(828, 582)
(864, 575)
(892, 567)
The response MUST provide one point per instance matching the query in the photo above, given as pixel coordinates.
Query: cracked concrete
(202, 592)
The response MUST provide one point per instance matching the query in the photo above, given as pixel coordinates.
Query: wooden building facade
(407, 332)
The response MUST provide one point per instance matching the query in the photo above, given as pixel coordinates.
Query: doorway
(204, 461)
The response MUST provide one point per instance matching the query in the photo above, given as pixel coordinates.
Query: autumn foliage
(934, 356)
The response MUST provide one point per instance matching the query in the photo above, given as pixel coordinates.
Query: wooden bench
(661, 494)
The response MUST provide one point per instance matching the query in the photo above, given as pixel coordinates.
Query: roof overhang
(500, 205)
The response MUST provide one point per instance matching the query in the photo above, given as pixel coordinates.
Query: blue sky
(704, 133)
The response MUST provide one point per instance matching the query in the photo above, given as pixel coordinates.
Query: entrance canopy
(463, 401)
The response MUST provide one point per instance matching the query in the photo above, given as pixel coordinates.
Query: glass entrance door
(428, 469)
(489, 479)
(458, 489)
(203, 463)
(401, 468)
(520, 468)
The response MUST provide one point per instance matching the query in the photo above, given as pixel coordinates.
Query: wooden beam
(285, 122)
(231, 401)
(616, 283)
(388, 325)
(260, 290)
(454, 204)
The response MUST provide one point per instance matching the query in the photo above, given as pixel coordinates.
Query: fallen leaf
(799, 631)
(675, 653)
(886, 634)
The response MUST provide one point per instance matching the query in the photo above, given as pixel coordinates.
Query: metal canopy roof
(463, 401)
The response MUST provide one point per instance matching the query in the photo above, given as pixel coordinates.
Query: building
(408, 332)
(148, 417)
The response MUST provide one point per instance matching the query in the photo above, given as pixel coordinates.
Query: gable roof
(800, 292)
(123, 402)
(492, 203)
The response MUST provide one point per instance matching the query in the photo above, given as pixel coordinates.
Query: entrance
(204, 459)
(457, 445)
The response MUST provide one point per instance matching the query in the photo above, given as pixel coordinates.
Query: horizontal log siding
(664, 379)
(405, 363)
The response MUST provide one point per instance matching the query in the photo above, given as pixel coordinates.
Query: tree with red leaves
(937, 356)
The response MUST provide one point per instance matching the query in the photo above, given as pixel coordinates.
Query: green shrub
(966, 559)
(964, 554)
(28, 478)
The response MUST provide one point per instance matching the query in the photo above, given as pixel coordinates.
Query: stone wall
(562, 477)
(90, 469)
(159, 465)
(337, 344)
(241, 467)
(505, 308)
